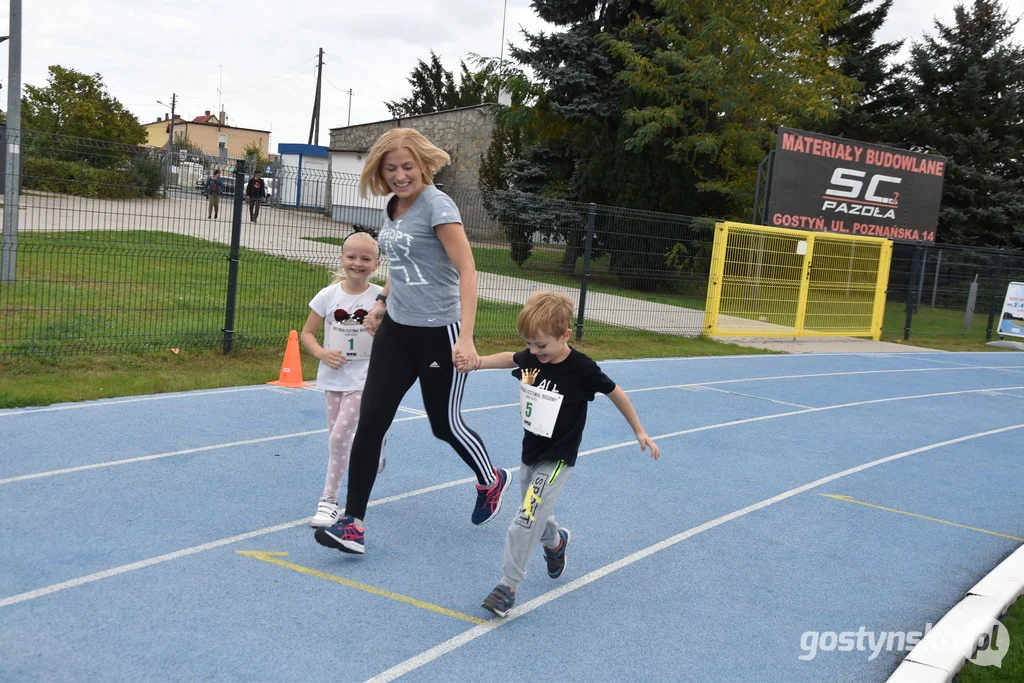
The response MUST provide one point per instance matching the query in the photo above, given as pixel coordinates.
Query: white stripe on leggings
(476, 449)
(459, 429)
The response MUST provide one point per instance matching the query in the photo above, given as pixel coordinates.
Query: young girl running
(341, 308)
(422, 320)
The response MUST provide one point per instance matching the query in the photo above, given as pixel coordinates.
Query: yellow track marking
(274, 558)
(850, 499)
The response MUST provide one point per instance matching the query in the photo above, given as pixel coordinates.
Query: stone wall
(464, 133)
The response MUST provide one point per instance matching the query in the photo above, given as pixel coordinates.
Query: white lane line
(772, 378)
(125, 568)
(157, 456)
(413, 411)
(806, 411)
(857, 372)
(210, 392)
(472, 634)
(999, 393)
(185, 552)
(854, 354)
(912, 356)
(116, 402)
(429, 489)
(759, 398)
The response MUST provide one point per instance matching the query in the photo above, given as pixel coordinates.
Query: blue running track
(167, 537)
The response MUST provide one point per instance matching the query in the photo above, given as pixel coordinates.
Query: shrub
(148, 173)
(71, 177)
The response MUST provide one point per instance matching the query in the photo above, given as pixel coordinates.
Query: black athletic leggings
(401, 354)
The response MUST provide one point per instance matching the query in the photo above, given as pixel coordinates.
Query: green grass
(1012, 669)
(45, 380)
(932, 328)
(543, 264)
(937, 328)
(139, 289)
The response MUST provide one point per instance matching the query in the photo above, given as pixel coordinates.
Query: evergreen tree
(967, 104)
(576, 136)
(434, 89)
(882, 90)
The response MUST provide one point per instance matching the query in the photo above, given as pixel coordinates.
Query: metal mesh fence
(961, 287)
(121, 248)
(639, 272)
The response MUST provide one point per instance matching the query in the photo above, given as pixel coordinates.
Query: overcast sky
(262, 53)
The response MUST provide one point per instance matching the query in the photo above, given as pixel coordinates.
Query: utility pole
(349, 122)
(314, 124)
(12, 170)
(170, 141)
(504, 97)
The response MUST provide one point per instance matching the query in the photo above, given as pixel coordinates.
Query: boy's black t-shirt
(577, 378)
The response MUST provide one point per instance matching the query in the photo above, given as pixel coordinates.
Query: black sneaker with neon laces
(556, 558)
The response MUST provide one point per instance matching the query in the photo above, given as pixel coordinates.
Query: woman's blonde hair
(429, 158)
(547, 313)
(355, 237)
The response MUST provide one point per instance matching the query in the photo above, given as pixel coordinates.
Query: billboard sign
(828, 184)
(1011, 319)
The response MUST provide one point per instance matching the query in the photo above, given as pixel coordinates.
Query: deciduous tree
(721, 77)
(77, 104)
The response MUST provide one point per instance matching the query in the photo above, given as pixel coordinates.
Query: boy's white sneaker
(327, 513)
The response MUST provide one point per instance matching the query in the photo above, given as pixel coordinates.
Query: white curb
(912, 672)
(944, 650)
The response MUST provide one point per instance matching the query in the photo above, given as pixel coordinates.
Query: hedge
(68, 177)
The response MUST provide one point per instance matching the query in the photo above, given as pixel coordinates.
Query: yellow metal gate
(774, 282)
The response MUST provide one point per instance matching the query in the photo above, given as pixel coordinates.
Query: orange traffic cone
(291, 368)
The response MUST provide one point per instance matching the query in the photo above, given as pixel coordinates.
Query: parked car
(227, 184)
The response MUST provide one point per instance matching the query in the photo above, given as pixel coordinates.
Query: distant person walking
(255, 193)
(213, 187)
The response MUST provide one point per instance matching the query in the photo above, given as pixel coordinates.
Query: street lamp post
(170, 142)
(12, 170)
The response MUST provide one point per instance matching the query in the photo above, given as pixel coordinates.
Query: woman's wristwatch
(383, 299)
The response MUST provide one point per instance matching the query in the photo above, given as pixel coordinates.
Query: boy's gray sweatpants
(541, 484)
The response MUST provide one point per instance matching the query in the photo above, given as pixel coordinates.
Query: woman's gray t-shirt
(424, 283)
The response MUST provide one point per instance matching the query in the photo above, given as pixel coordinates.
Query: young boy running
(556, 383)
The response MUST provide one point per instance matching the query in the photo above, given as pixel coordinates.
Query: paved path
(285, 233)
(824, 345)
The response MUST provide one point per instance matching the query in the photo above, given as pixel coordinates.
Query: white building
(303, 176)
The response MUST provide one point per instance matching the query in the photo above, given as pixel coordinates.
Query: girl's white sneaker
(327, 513)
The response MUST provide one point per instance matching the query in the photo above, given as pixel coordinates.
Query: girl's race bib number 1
(539, 409)
(352, 340)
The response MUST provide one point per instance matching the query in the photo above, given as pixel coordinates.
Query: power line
(273, 79)
(334, 86)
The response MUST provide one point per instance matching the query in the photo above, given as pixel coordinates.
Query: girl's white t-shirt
(340, 309)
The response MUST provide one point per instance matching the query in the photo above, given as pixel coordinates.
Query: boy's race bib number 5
(539, 409)
(352, 340)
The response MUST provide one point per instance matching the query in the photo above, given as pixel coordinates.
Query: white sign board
(353, 340)
(538, 409)
(1011, 318)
